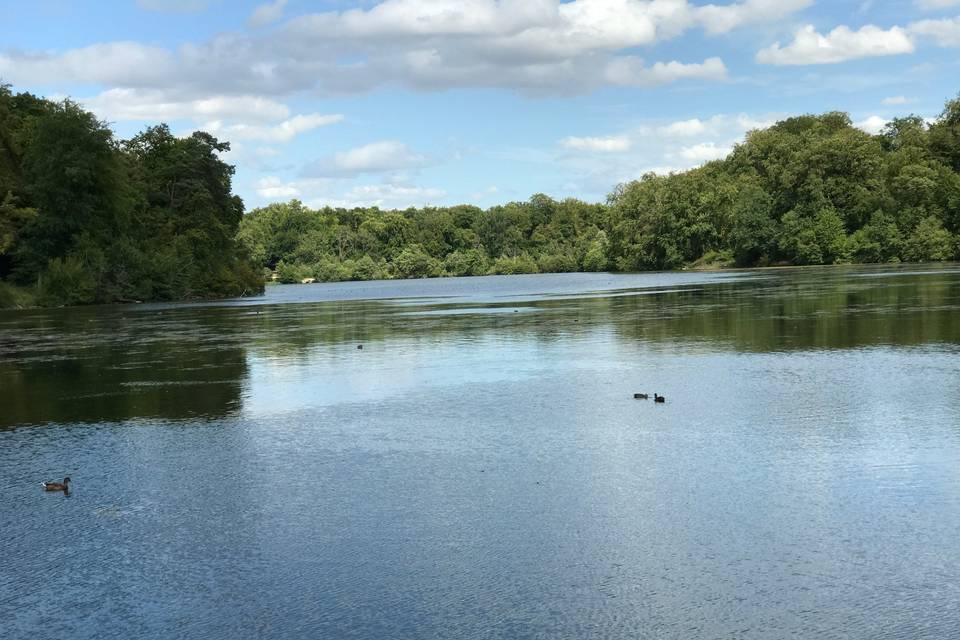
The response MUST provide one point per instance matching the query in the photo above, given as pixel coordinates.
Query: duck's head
(66, 480)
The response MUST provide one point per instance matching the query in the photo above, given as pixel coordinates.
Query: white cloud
(684, 128)
(384, 196)
(377, 157)
(175, 6)
(274, 188)
(280, 132)
(840, 45)
(266, 14)
(703, 152)
(128, 64)
(152, 105)
(896, 100)
(391, 196)
(543, 46)
(932, 5)
(873, 124)
(630, 71)
(610, 144)
(720, 19)
(657, 146)
(945, 32)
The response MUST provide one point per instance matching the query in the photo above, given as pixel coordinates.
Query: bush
(506, 266)
(557, 263)
(290, 273)
(929, 242)
(331, 270)
(12, 297)
(468, 262)
(367, 269)
(878, 241)
(597, 257)
(65, 282)
(414, 262)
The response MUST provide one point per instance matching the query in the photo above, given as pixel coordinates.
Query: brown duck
(57, 486)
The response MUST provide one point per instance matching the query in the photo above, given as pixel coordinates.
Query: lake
(480, 469)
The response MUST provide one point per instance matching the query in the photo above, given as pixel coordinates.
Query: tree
(414, 262)
(753, 232)
(930, 242)
(597, 257)
(945, 135)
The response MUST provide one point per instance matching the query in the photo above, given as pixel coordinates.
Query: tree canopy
(808, 190)
(86, 218)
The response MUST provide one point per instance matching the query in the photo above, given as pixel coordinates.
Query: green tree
(930, 242)
(414, 262)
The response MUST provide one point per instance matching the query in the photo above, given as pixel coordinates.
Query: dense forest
(86, 218)
(808, 190)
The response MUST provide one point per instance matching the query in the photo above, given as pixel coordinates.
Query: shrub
(929, 242)
(506, 266)
(414, 262)
(467, 262)
(65, 281)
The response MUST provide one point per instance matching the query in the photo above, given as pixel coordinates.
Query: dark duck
(57, 486)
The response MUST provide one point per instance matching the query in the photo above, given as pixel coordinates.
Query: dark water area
(480, 468)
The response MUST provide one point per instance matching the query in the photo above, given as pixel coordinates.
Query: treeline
(366, 244)
(86, 218)
(809, 190)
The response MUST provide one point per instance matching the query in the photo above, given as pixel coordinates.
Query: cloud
(945, 32)
(266, 14)
(658, 146)
(840, 45)
(385, 196)
(873, 124)
(932, 5)
(535, 46)
(684, 128)
(377, 157)
(630, 71)
(720, 19)
(897, 100)
(327, 192)
(703, 152)
(153, 105)
(175, 6)
(128, 64)
(274, 188)
(610, 144)
(280, 132)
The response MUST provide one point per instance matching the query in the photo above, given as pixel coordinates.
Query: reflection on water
(480, 469)
(92, 365)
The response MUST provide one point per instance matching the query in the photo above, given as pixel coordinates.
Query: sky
(401, 103)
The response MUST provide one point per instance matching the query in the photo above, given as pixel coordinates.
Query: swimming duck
(57, 486)
(641, 396)
(658, 398)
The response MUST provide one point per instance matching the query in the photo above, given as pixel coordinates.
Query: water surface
(480, 470)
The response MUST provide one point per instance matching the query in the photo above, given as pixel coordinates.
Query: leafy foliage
(85, 218)
(808, 190)
(365, 244)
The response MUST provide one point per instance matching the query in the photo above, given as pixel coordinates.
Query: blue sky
(415, 102)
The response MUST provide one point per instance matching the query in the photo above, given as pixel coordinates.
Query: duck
(641, 396)
(57, 486)
(658, 398)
